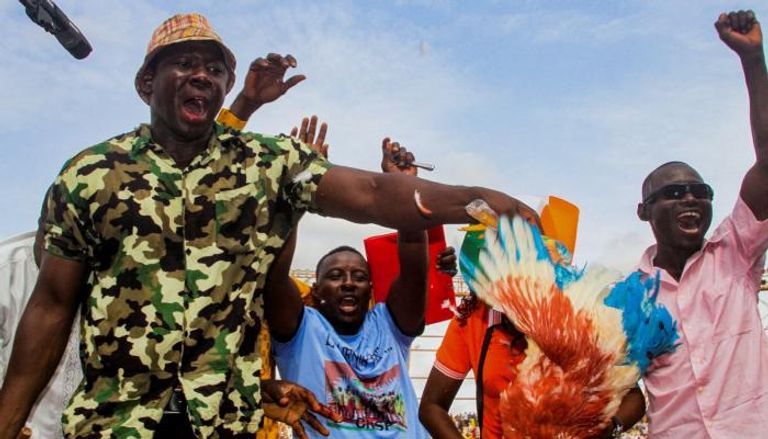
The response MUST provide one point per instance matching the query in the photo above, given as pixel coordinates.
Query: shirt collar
(646, 260)
(494, 317)
(222, 138)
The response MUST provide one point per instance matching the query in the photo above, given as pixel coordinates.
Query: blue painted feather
(648, 326)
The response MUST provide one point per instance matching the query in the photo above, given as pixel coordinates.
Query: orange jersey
(460, 352)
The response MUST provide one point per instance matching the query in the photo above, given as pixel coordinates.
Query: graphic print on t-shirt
(374, 403)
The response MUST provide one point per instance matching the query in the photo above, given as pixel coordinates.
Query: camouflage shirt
(177, 260)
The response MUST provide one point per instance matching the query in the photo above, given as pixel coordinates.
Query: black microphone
(47, 15)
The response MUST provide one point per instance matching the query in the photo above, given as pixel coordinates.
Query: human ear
(642, 212)
(145, 85)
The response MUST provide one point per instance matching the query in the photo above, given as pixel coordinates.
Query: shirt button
(701, 389)
(188, 251)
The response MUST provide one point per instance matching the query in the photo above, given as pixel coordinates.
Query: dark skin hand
(446, 261)
(291, 403)
(264, 83)
(630, 411)
(306, 133)
(741, 32)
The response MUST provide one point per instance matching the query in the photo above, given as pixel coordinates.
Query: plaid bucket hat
(180, 28)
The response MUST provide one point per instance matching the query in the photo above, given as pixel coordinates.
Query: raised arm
(40, 340)
(741, 32)
(264, 83)
(283, 306)
(407, 298)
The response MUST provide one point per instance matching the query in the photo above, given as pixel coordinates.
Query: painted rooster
(590, 338)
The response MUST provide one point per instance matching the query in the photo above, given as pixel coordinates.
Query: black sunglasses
(701, 191)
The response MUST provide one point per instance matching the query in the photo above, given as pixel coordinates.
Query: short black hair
(339, 249)
(647, 189)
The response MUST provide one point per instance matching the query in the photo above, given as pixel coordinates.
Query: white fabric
(18, 274)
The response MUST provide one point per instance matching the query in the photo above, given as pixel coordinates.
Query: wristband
(229, 120)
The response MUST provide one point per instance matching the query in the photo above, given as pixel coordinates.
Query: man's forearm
(40, 341)
(407, 298)
(282, 301)
(390, 200)
(438, 422)
(243, 107)
(757, 86)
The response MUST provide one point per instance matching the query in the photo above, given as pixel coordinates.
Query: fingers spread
(259, 63)
(303, 129)
(294, 132)
(277, 59)
(321, 136)
(309, 399)
(312, 129)
(298, 430)
(315, 423)
(291, 60)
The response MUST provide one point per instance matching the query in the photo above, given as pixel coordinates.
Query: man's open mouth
(689, 222)
(195, 109)
(348, 304)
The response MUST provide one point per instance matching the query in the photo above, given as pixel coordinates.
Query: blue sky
(579, 99)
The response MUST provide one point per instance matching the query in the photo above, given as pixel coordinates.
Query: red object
(381, 252)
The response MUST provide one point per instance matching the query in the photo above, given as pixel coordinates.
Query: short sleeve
(381, 312)
(65, 234)
(452, 358)
(304, 169)
(750, 234)
(289, 347)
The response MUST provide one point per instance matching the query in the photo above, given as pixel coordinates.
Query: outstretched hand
(264, 83)
(306, 133)
(291, 403)
(396, 159)
(741, 32)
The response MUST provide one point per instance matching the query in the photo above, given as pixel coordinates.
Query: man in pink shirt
(716, 384)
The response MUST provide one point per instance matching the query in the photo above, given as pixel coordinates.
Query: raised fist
(741, 32)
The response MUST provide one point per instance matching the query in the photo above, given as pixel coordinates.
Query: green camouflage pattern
(178, 260)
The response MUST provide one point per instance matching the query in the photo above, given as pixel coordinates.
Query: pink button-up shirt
(715, 385)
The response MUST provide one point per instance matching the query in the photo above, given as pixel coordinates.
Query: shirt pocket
(238, 213)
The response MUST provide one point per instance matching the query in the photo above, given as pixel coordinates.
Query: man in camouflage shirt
(172, 228)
